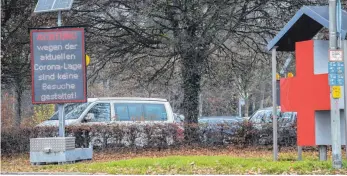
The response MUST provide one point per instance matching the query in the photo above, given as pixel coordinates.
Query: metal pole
(335, 111)
(344, 44)
(323, 152)
(274, 103)
(59, 18)
(61, 106)
(61, 120)
(299, 153)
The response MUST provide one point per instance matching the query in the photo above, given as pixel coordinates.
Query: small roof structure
(305, 24)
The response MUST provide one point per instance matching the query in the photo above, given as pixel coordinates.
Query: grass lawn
(258, 162)
(200, 165)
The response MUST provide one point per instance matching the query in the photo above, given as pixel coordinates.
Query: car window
(155, 112)
(287, 117)
(140, 111)
(122, 113)
(263, 116)
(257, 117)
(128, 111)
(72, 111)
(268, 117)
(67, 109)
(135, 111)
(102, 112)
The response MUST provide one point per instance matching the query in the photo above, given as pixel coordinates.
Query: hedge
(135, 136)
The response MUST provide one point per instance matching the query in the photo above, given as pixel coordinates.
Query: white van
(114, 110)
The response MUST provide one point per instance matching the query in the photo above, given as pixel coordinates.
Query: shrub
(136, 136)
(15, 140)
(41, 113)
(245, 135)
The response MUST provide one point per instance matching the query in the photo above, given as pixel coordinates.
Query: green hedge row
(144, 135)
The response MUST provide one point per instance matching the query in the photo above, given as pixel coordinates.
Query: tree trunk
(191, 71)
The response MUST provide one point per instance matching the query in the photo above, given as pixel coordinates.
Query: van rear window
(140, 112)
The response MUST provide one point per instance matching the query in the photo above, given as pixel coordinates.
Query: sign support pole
(61, 106)
(299, 153)
(274, 103)
(344, 44)
(61, 120)
(335, 110)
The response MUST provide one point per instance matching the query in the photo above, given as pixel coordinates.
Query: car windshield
(265, 116)
(257, 116)
(71, 111)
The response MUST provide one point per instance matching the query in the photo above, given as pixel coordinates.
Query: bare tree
(14, 45)
(16, 19)
(181, 33)
(156, 44)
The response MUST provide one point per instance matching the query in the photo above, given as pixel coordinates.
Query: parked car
(262, 120)
(264, 117)
(219, 127)
(114, 110)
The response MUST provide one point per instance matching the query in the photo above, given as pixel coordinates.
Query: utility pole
(274, 103)
(335, 111)
(345, 91)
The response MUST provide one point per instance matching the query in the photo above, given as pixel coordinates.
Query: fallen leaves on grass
(20, 163)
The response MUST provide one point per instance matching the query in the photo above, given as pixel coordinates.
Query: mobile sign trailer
(58, 68)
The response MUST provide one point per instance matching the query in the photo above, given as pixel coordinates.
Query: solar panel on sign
(53, 5)
(44, 5)
(63, 4)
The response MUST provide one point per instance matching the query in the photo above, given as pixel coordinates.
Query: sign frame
(84, 67)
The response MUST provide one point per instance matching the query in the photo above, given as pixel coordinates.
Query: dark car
(219, 128)
(264, 117)
(262, 121)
